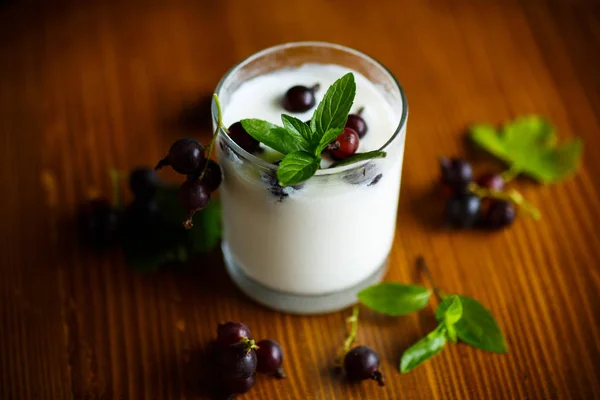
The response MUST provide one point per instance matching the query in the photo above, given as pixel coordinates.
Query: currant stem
(351, 338)
(512, 196)
(360, 111)
(510, 174)
(378, 376)
(315, 87)
(422, 267)
(250, 343)
(214, 137)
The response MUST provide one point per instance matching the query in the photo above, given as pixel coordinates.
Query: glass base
(295, 303)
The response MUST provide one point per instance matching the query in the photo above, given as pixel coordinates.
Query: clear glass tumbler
(309, 249)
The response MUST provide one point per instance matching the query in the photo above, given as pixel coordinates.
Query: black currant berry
(499, 214)
(270, 358)
(237, 361)
(231, 332)
(357, 124)
(300, 98)
(239, 385)
(194, 195)
(212, 176)
(456, 173)
(362, 363)
(238, 134)
(185, 156)
(98, 223)
(345, 144)
(491, 181)
(462, 210)
(142, 217)
(143, 182)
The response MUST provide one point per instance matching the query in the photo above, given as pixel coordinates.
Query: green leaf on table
(296, 167)
(369, 155)
(394, 298)
(423, 350)
(476, 327)
(327, 138)
(528, 145)
(332, 112)
(299, 128)
(274, 136)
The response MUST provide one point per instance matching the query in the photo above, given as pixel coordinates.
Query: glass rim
(326, 171)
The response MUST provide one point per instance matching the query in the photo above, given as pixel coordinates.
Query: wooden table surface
(90, 85)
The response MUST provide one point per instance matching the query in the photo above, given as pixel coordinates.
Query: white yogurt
(333, 232)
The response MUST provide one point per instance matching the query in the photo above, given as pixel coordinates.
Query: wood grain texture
(85, 86)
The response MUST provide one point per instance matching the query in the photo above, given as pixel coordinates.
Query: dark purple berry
(185, 156)
(239, 135)
(212, 176)
(142, 217)
(300, 98)
(357, 124)
(491, 181)
(239, 385)
(345, 144)
(456, 173)
(194, 195)
(362, 363)
(499, 214)
(230, 333)
(98, 223)
(462, 210)
(143, 182)
(270, 358)
(237, 361)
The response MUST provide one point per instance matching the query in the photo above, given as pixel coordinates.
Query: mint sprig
(459, 317)
(302, 144)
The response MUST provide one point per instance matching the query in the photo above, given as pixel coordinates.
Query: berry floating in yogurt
(300, 98)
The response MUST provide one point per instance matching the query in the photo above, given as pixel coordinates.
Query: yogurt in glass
(309, 248)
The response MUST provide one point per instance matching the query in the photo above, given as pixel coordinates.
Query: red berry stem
(315, 87)
(280, 373)
(360, 111)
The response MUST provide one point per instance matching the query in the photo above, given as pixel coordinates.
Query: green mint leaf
(452, 313)
(274, 136)
(369, 155)
(296, 167)
(451, 333)
(332, 111)
(423, 350)
(477, 326)
(394, 298)
(528, 145)
(327, 138)
(301, 130)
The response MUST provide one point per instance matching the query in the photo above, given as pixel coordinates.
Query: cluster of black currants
(203, 176)
(466, 207)
(102, 224)
(239, 358)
